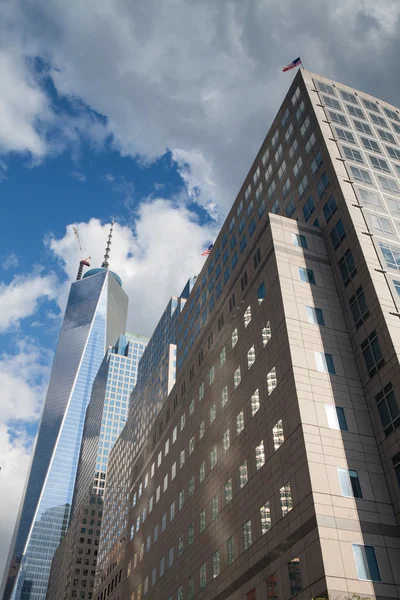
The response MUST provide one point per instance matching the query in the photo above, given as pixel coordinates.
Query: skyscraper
(94, 318)
(272, 469)
(73, 567)
(156, 377)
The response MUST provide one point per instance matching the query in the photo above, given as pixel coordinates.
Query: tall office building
(272, 469)
(73, 567)
(156, 378)
(94, 318)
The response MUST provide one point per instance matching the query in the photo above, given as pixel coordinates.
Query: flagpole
(302, 64)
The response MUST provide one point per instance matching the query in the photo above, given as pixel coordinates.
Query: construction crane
(84, 261)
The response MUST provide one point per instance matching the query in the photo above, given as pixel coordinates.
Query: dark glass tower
(94, 318)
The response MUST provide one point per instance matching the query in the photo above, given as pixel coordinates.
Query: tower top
(105, 264)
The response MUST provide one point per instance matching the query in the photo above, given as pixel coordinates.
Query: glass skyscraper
(94, 318)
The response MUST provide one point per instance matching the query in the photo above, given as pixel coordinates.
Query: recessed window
(224, 396)
(286, 499)
(235, 337)
(261, 293)
(255, 402)
(324, 363)
(271, 381)
(299, 240)
(251, 357)
(191, 534)
(202, 474)
(352, 154)
(228, 491)
(315, 315)
(347, 267)
(203, 576)
(243, 474)
(348, 97)
(202, 429)
(239, 422)
(201, 391)
(180, 545)
(295, 579)
(391, 114)
(202, 520)
(230, 547)
(370, 105)
(359, 308)
(307, 275)
(302, 185)
(386, 136)
(214, 507)
(388, 409)
(370, 144)
(366, 563)
(332, 102)
(182, 459)
(396, 464)
(336, 417)
(344, 135)
(213, 413)
(213, 457)
(378, 120)
(363, 127)
(379, 163)
(247, 537)
(266, 333)
(372, 354)
(181, 499)
(216, 564)
(226, 440)
(338, 234)
(265, 515)
(277, 435)
(355, 111)
(260, 455)
(338, 118)
(324, 87)
(361, 175)
(349, 483)
(237, 377)
(293, 148)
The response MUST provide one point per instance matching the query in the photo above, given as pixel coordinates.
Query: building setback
(273, 468)
(94, 318)
(105, 418)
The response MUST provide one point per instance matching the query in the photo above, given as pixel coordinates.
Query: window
(295, 96)
(214, 507)
(275, 207)
(182, 459)
(380, 225)
(393, 152)
(165, 482)
(271, 190)
(338, 118)
(255, 402)
(202, 520)
(257, 258)
(302, 186)
(300, 110)
(191, 534)
(294, 572)
(355, 111)
(213, 413)
(180, 593)
(237, 377)
(191, 486)
(299, 240)
(366, 563)
(266, 333)
(277, 435)
(372, 354)
(251, 357)
(308, 208)
(396, 464)
(243, 281)
(361, 175)
(243, 475)
(347, 267)
(247, 540)
(315, 315)
(222, 357)
(344, 135)
(213, 457)
(201, 392)
(170, 557)
(202, 429)
(338, 234)
(282, 169)
(235, 337)
(228, 491)
(322, 184)
(155, 535)
(224, 396)
(389, 184)
(370, 105)
(243, 244)
(293, 148)
(336, 417)
(181, 499)
(324, 87)
(391, 255)
(180, 545)
(226, 440)
(324, 363)
(386, 136)
(352, 154)
(378, 120)
(291, 207)
(310, 143)
(240, 422)
(379, 163)
(260, 455)
(388, 409)
(271, 381)
(391, 114)
(203, 576)
(286, 499)
(216, 564)
(265, 515)
(261, 293)
(369, 197)
(332, 102)
(307, 275)
(230, 546)
(164, 522)
(172, 512)
(370, 144)
(349, 483)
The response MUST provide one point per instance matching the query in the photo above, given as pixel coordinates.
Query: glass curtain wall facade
(95, 315)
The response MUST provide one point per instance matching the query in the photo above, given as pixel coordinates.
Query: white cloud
(203, 80)
(9, 261)
(79, 176)
(154, 261)
(23, 382)
(20, 298)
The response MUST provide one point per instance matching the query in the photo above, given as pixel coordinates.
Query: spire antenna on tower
(105, 264)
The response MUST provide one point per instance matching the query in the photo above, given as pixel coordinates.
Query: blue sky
(152, 114)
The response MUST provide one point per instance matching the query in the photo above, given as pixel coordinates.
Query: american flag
(208, 250)
(295, 63)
